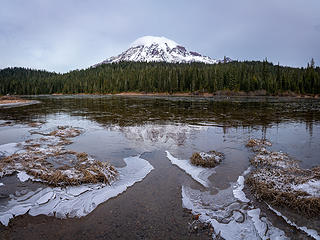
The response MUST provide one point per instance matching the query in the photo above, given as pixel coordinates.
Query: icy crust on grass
(312, 187)
(280, 181)
(75, 201)
(206, 159)
(273, 159)
(257, 144)
(200, 174)
(61, 131)
(230, 218)
(309, 232)
(47, 160)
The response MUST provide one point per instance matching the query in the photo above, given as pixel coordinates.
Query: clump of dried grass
(65, 132)
(275, 187)
(273, 159)
(209, 160)
(277, 178)
(76, 168)
(35, 124)
(258, 144)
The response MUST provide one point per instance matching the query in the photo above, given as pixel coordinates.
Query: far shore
(8, 100)
(200, 94)
(13, 100)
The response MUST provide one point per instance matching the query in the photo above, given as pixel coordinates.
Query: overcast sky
(63, 35)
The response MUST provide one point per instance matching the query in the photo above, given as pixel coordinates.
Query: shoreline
(12, 101)
(195, 94)
(5, 102)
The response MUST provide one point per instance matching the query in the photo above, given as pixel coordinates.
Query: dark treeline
(165, 77)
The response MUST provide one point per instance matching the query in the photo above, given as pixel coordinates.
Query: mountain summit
(159, 49)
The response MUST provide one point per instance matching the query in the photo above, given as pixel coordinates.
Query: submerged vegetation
(210, 159)
(46, 159)
(234, 77)
(279, 180)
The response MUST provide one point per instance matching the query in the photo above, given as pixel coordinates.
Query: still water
(117, 127)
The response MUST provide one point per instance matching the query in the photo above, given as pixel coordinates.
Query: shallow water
(119, 127)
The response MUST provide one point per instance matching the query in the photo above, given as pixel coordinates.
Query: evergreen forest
(162, 77)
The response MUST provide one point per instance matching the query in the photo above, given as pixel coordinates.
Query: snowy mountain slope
(159, 49)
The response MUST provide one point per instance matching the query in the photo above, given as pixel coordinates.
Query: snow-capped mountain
(159, 49)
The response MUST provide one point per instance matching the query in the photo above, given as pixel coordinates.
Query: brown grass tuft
(258, 143)
(74, 168)
(275, 189)
(209, 160)
(276, 178)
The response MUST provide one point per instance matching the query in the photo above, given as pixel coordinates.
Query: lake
(154, 133)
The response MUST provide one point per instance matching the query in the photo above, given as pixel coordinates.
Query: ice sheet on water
(8, 149)
(231, 218)
(200, 174)
(238, 190)
(23, 176)
(309, 232)
(75, 201)
(238, 187)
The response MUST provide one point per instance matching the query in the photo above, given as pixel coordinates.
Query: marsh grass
(209, 160)
(73, 168)
(277, 178)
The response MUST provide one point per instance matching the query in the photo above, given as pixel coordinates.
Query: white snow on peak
(147, 41)
(158, 49)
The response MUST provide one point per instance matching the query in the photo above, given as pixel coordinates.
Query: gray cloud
(317, 27)
(64, 35)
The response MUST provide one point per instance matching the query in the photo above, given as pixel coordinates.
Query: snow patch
(158, 49)
(149, 40)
